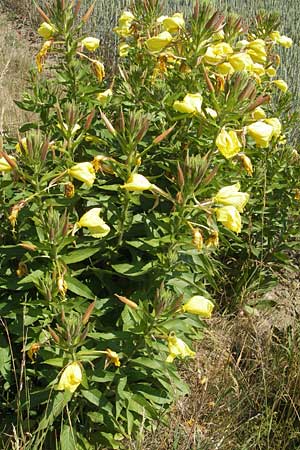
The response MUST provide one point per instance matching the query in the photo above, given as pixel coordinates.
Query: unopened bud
(163, 135)
(54, 335)
(180, 176)
(28, 246)
(126, 300)
(88, 312)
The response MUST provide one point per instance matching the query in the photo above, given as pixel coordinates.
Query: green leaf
(5, 360)
(79, 288)
(149, 363)
(133, 270)
(79, 255)
(93, 396)
(67, 438)
(55, 362)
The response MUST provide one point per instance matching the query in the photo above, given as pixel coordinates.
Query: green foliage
(112, 206)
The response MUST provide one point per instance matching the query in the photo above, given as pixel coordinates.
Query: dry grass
(244, 383)
(16, 57)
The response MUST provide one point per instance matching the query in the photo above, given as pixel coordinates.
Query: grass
(13, 75)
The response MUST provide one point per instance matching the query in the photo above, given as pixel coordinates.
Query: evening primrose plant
(129, 207)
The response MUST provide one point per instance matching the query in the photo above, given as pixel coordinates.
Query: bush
(124, 202)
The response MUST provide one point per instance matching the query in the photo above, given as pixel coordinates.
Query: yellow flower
(230, 196)
(230, 217)
(46, 30)
(137, 183)
(246, 161)
(241, 61)
(284, 41)
(271, 71)
(276, 124)
(4, 165)
(215, 54)
(191, 104)
(98, 69)
(70, 378)
(225, 68)
(261, 132)
(90, 43)
(159, 42)
(174, 23)
(281, 84)
(257, 69)
(228, 143)
(84, 172)
(112, 357)
(103, 97)
(123, 49)
(257, 50)
(91, 220)
(199, 305)
(258, 113)
(125, 20)
(178, 348)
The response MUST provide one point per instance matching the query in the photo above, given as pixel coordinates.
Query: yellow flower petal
(70, 378)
